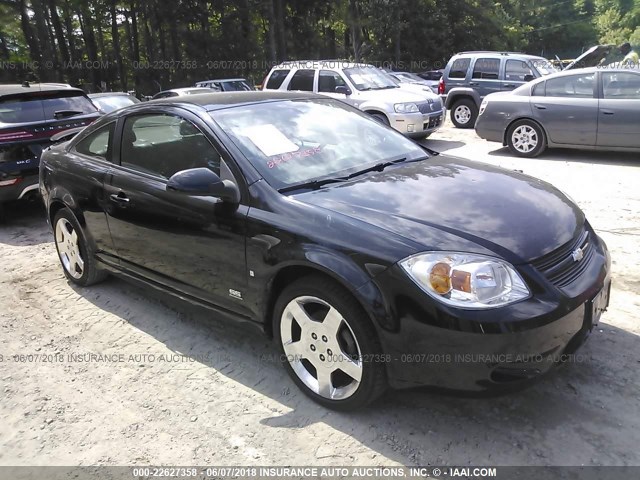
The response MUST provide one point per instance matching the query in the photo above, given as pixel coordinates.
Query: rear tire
(526, 138)
(75, 254)
(464, 113)
(328, 343)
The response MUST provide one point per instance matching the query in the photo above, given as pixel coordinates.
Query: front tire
(526, 138)
(379, 117)
(78, 262)
(464, 113)
(328, 344)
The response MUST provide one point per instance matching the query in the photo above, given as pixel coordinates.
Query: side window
(459, 68)
(162, 145)
(574, 86)
(538, 90)
(98, 144)
(518, 71)
(328, 81)
(276, 79)
(622, 86)
(486, 68)
(302, 80)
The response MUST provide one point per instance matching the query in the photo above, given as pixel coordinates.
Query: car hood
(393, 95)
(590, 58)
(446, 203)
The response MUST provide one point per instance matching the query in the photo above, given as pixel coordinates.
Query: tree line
(148, 45)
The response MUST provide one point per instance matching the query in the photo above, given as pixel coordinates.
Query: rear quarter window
(276, 79)
(459, 68)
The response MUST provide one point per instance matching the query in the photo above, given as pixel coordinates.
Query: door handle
(540, 107)
(607, 112)
(509, 85)
(474, 84)
(119, 198)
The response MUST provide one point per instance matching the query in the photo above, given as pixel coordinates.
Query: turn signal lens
(466, 280)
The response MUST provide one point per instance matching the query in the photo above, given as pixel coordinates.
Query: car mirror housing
(202, 182)
(343, 90)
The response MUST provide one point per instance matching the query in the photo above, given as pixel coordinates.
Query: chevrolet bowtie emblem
(578, 254)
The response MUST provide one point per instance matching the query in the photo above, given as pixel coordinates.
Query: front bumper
(429, 344)
(417, 124)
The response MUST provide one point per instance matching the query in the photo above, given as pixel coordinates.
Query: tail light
(7, 183)
(441, 86)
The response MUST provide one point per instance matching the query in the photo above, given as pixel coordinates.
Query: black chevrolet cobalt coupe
(371, 261)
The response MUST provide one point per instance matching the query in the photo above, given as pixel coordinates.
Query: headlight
(406, 108)
(466, 280)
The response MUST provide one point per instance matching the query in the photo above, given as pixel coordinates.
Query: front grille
(433, 122)
(430, 106)
(560, 267)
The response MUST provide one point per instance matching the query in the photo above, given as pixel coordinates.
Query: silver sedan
(594, 108)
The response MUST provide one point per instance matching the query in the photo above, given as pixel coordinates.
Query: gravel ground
(231, 405)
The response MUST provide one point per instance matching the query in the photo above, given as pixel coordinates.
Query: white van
(366, 87)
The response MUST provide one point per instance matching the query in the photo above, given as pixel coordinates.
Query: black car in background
(29, 116)
(371, 261)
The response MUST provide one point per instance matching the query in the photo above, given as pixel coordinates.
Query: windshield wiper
(66, 113)
(378, 167)
(313, 184)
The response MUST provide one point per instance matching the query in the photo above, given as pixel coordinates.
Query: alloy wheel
(69, 248)
(462, 114)
(321, 347)
(524, 139)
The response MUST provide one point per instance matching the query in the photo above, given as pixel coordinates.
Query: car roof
(217, 101)
(14, 89)
(315, 64)
(496, 53)
(184, 89)
(108, 94)
(223, 80)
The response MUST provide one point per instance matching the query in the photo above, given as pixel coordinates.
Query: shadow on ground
(580, 156)
(23, 224)
(583, 413)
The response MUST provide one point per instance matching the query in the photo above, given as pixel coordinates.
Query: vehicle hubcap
(321, 348)
(524, 138)
(462, 114)
(68, 248)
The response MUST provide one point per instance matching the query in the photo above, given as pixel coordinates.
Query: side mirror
(202, 182)
(528, 78)
(343, 90)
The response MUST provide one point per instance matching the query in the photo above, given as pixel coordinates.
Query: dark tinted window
(575, 86)
(518, 71)
(623, 86)
(486, 68)
(302, 80)
(39, 107)
(98, 144)
(459, 68)
(165, 144)
(328, 81)
(276, 79)
(236, 86)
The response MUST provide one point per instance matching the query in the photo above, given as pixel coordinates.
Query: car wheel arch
(292, 272)
(375, 111)
(505, 139)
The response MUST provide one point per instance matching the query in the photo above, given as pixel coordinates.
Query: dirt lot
(231, 407)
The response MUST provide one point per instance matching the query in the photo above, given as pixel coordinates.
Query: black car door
(192, 244)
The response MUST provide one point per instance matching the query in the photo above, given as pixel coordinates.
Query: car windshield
(369, 78)
(236, 86)
(42, 106)
(109, 104)
(411, 77)
(544, 67)
(291, 142)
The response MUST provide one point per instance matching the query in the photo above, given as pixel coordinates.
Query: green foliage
(160, 44)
